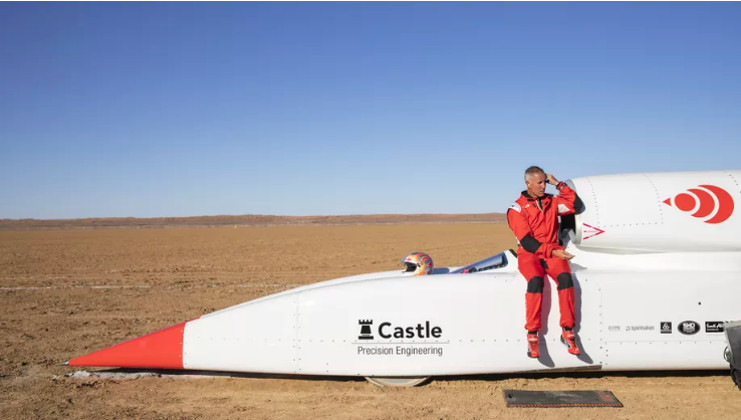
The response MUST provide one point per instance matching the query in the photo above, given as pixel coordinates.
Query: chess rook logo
(365, 329)
(709, 202)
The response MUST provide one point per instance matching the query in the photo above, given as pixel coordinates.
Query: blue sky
(184, 109)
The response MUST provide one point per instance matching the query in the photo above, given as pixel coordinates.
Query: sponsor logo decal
(365, 329)
(390, 339)
(589, 231)
(688, 327)
(666, 327)
(640, 328)
(714, 326)
(708, 202)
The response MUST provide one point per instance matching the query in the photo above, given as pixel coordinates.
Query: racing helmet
(418, 263)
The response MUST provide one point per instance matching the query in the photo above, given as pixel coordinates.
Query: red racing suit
(535, 224)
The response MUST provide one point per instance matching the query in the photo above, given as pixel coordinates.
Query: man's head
(535, 181)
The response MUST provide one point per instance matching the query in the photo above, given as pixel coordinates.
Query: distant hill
(245, 220)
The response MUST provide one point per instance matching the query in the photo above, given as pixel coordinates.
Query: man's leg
(530, 268)
(559, 269)
(533, 272)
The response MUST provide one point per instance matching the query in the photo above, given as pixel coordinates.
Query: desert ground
(67, 292)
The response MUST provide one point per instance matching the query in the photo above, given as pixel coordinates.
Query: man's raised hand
(552, 179)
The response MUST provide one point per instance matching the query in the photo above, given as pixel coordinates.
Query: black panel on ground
(547, 399)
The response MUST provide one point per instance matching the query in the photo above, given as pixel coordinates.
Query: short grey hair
(532, 171)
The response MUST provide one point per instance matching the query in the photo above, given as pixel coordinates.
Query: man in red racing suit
(534, 220)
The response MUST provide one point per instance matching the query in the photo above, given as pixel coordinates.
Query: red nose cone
(161, 349)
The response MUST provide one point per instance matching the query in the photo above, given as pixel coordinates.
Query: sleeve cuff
(547, 250)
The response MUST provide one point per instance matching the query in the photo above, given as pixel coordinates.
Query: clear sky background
(184, 109)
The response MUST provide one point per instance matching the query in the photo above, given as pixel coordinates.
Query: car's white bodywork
(653, 286)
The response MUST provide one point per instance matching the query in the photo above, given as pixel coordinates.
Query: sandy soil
(53, 308)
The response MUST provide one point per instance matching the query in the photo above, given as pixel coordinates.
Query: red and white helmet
(418, 263)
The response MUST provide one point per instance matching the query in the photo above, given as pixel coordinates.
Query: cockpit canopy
(495, 261)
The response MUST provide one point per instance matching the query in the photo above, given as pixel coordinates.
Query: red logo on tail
(707, 200)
